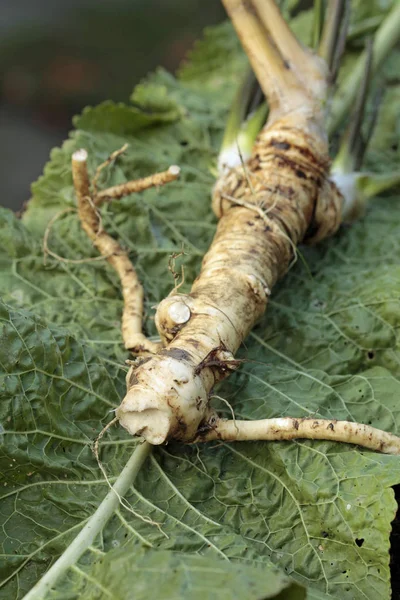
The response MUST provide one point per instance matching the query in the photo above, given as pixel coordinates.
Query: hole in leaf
(359, 542)
(371, 354)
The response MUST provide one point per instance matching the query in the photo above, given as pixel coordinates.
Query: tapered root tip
(80, 155)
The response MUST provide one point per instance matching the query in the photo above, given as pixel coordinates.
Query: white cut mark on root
(291, 428)
(120, 499)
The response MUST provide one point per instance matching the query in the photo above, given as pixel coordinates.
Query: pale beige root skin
(291, 76)
(307, 67)
(290, 428)
(284, 181)
(265, 210)
(162, 407)
(282, 196)
(138, 185)
(132, 290)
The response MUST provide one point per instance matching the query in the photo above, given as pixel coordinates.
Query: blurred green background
(57, 56)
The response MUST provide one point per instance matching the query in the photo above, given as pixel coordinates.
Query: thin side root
(289, 428)
(139, 185)
(97, 440)
(132, 290)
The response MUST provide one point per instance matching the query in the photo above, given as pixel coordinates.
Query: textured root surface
(139, 185)
(279, 198)
(109, 248)
(132, 290)
(265, 210)
(289, 428)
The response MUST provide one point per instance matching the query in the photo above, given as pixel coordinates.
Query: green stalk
(372, 184)
(239, 150)
(242, 126)
(363, 28)
(93, 526)
(330, 31)
(318, 19)
(359, 188)
(237, 112)
(385, 38)
(352, 147)
(251, 128)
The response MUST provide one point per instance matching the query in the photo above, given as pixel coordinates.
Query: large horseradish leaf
(244, 520)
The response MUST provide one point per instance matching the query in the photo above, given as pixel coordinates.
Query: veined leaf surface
(328, 346)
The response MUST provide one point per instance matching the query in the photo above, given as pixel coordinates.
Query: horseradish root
(281, 196)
